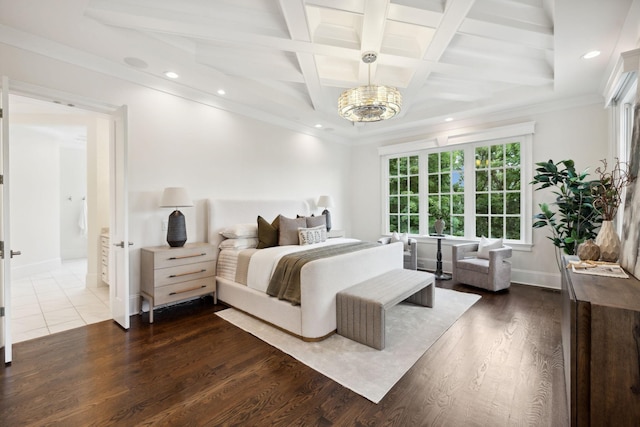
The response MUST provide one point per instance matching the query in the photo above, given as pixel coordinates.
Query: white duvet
(264, 261)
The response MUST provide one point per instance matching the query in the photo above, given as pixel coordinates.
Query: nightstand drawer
(184, 290)
(181, 273)
(181, 256)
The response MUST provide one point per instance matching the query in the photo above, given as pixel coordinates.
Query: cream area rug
(410, 331)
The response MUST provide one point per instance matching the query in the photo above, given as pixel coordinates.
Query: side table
(440, 275)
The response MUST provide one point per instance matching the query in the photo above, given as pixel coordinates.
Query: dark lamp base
(176, 230)
(327, 214)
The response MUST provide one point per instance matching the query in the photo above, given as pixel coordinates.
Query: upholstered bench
(360, 309)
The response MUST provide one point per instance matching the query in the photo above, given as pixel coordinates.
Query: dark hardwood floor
(500, 364)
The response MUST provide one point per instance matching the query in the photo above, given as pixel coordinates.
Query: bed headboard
(223, 213)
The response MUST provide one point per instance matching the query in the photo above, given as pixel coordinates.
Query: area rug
(410, 331)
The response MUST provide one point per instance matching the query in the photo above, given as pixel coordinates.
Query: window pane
(512, 154)
(513, 203)
(413, 165)
(434, 202)
(404, 185)
(402, 166)
(497, 203)
(482, 204)
(497, 180)
(393, 223)
(393, 205)
(404, 224)
(496, 227)
(513, 228)
(445, 183)
(393, 167)
(414, 204)
(404, 204)
(457, 182)
(393, 186)
(482, 226)
(432, 163)
(414, 224)
(457, 226)
(497, 156)
(482, 157)
(457, 204)
(433, 184)
(414, 187)
(482, 181)
(458, 160)
(513, 179)
(445, 162)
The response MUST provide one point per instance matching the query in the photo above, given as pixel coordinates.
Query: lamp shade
(325, 202)
(175, 197)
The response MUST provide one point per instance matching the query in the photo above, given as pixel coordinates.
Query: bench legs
(423, 297)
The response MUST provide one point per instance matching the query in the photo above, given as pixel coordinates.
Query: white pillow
(404, 238)
(309, 236)
(486, 245)
(245, 243)
(240, 231)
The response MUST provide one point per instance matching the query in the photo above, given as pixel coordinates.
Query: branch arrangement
(607, 191)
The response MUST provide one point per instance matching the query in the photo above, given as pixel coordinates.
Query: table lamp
(326, 202)
(176, 197)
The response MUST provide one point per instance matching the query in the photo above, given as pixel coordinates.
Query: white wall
(578, 133)
(176, 142)
(73, 192)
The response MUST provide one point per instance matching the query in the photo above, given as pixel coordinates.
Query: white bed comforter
(264, 261)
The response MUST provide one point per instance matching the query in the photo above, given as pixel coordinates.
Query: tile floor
(56, 301)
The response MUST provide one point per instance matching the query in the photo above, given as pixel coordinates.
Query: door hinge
(1, 179)
(1, 311)
(0, 113)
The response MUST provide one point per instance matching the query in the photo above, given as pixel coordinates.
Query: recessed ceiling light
(221, 92)
(171, 74)
(448, 119)
(318, 126)
(591, 54)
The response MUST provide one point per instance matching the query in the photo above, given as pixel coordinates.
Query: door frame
(15, 87)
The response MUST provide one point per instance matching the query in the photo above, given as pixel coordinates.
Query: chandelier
(370, 103)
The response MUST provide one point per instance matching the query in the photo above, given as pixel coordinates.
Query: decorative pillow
(268, 233)
(309, 236)
(239, 231)
(404, 238)
(316, 221)
(246, 243)
(288, 231)
(486, 245)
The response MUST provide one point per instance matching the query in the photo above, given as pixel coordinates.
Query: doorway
(60, 175)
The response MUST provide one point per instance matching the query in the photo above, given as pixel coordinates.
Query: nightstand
(335, 233)
(173, 274)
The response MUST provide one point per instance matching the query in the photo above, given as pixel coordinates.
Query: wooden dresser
(601, 343)
(173, 274)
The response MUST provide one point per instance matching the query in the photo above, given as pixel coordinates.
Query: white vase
(438, 225)
(608, 242)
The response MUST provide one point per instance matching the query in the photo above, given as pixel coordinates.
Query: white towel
(82, 221)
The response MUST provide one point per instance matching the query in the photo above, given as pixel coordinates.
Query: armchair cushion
(410, 250)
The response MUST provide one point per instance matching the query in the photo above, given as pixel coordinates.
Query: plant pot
(608, 241)
(589, 251)
(439, 226)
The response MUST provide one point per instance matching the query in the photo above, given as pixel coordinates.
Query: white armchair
(410, 252)
(492, 274)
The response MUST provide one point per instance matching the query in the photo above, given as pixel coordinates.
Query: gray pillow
(288, 232)
(316, 221)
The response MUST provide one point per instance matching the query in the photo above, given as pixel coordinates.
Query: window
(404, 195)
(478, 187)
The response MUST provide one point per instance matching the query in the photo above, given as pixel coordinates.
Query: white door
(119, 224)
(5, 265)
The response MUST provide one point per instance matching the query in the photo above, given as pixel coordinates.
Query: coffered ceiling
(287, 61)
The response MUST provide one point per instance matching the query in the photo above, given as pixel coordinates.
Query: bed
(320, 280)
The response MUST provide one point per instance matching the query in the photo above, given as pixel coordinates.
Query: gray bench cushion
(361, 308)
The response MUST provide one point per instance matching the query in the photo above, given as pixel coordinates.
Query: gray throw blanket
(285, 282)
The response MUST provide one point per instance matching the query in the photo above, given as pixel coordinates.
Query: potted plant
(572, 218)
(607, 196)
